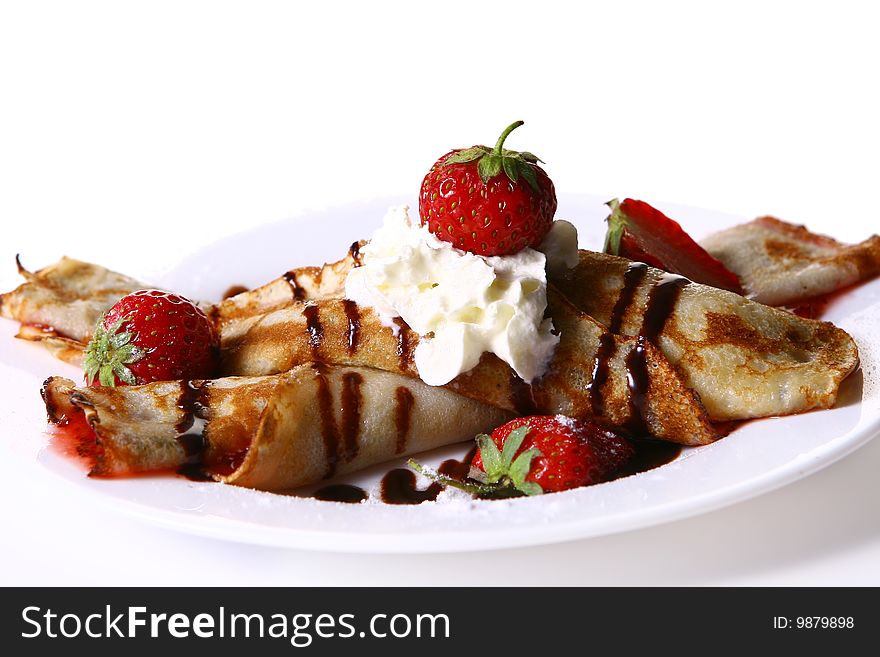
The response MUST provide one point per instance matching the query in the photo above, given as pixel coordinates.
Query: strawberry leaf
(529, 174)
(466, 155)
(105, 375)
(109, 352)
(491, 458)
(489, 167)
(530, 488)
(616, 225)
(519, 469)
(124, 374)
(120, 340)
(510, 168)
(491, 163)
(511, 446)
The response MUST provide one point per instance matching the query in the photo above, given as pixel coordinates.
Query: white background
(157, 127)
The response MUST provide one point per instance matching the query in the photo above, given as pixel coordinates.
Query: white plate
(757, 457)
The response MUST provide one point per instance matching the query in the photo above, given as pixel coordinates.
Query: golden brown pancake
(743, 359)
(69, 296)
(60, 305)
(624, 383)
(779, 263)
(273, 432)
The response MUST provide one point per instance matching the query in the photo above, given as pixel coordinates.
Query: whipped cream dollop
(462, 305)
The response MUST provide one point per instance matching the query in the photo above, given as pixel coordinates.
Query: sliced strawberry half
(640, 232)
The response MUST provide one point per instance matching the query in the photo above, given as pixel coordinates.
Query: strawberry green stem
(507, 131)
(473, 489)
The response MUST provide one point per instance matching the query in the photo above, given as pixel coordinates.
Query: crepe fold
(780, 263)
(59, 305)
(624, 383)
(238, 313)
(270, 432)
(742, 358)
(641, 350)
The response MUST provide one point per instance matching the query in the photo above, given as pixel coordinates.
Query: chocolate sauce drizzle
(601, 369)
(351, 414)
(353, 314)
(649, 454)
(298, 292)
(458, 469)
(355, 252)
(193, 402)
(329, 430)
(314, 327)
(404, 346)
(659, 307)
(661, 302)
(637, 381)
(399, 487)
(345, 493)
(632, 280)
(404, 402)
(522, 395)
(234, 290)
(194, 472)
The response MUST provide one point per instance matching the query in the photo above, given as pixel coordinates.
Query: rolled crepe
(60, 305)
(237, 314)
(273, 432)
(624, 383)
(68, 297)
(744, 359)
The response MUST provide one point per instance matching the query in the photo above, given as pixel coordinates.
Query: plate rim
(460, 539)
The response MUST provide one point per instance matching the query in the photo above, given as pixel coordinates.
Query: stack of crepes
(314, 385)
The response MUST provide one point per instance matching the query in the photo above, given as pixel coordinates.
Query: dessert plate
(755, 458)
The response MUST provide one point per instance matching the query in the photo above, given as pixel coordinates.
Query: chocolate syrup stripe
(404, 401)
(522, 395)
(329, 430)
(299, 293)
(659, 307)
(353, 314)
(341, 493)
(404, 344)
(314, 327)
(601, 370)
(234, 290)
(661, 304)
(632, 280)
(341, 441)
(355, 252)
(193, 402)
(398, 486)
(351, 414)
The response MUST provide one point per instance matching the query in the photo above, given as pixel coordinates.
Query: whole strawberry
(540, 454)
(545, 454)
(488, 201)
(151, 335)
